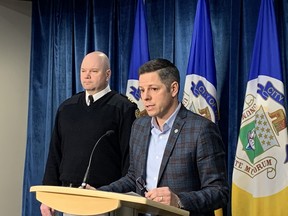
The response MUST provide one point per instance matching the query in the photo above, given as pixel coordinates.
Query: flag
(260, 172)
(200, 83)
(139, 54)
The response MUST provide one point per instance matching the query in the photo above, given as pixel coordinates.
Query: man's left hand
(163, 195)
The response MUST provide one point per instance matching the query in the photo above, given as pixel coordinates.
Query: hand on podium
(89, 187)
(163, 195)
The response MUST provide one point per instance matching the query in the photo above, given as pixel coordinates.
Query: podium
(79, 201)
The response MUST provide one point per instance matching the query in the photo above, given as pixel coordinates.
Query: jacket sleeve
(51, 175)
(124, 133)
(211, 165)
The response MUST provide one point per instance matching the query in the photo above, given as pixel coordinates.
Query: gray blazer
(193, 164)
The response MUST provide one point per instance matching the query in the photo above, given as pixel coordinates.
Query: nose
(145, 95)
(88, 74)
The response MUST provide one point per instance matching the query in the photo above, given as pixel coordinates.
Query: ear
(108, 74)
(174, 88)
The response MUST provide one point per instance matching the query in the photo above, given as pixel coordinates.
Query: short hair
(167, 71)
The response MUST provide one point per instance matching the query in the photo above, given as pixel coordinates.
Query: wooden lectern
(79, 201)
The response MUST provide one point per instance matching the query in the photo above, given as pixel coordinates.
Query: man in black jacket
(80, 121)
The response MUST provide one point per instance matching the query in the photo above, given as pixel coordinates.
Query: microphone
(108, 133)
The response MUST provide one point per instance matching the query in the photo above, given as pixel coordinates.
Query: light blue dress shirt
(156, 149)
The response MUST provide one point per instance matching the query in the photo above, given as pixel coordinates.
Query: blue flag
(200, 84)
(260, 175)
(139, 54)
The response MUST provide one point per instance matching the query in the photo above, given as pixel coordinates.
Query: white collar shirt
(98, 95)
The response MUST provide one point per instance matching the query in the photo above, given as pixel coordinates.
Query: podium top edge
(105, 194)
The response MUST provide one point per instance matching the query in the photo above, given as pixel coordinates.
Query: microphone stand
(84, 183)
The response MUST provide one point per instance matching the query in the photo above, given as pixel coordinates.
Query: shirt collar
(169, 122)
(98, 95)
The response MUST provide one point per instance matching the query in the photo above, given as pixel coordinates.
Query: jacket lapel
(174, 134)
(146, 140)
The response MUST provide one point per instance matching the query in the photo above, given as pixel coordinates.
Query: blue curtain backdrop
(64, 31)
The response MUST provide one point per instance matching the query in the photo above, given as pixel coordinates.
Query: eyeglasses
(141, 184)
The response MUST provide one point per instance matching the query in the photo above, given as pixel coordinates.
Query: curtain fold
(64, 31)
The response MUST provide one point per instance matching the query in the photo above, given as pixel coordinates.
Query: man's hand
(163, 195)
(89, 187)
(46, 210)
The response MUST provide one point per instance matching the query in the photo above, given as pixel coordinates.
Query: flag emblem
(135, 92)
(207, 106)
(258, 136)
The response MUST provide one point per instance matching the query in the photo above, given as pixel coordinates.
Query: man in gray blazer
(176, 157)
